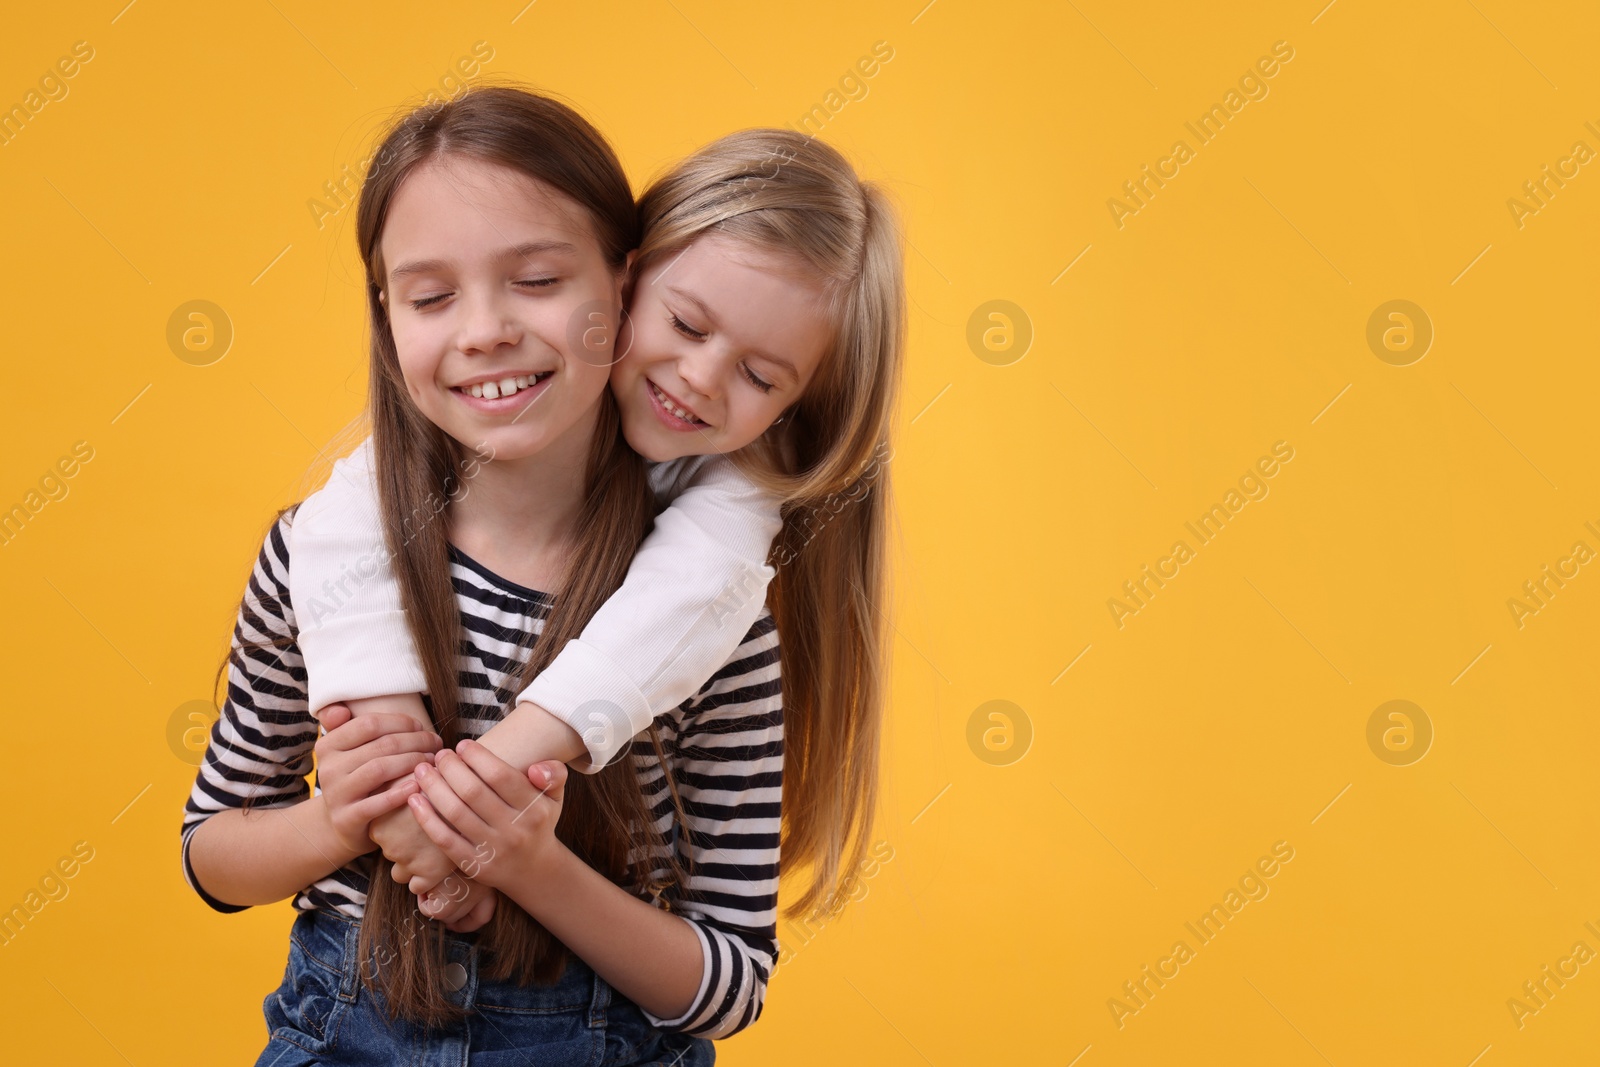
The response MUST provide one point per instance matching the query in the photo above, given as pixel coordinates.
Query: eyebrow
(526, 250)
(757, 352)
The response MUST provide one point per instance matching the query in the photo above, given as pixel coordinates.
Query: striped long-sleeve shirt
(724, 750)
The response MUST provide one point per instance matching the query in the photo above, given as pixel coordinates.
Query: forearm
(396, 832)
(527, 735)
(652, 957)
(530, 734)
(409, 704)
(266, 855)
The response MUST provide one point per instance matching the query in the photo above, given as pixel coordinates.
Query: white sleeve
(692, 592)
(353, 631)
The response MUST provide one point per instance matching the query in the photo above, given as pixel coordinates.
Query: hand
(363, 769)
(460, 904)
(443, 893)
(495, 823)
(419, 865)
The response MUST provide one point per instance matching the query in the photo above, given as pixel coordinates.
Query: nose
(485, 324)
(701, 372)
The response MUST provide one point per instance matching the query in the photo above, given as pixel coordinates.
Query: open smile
(497, 396)
(672, 414)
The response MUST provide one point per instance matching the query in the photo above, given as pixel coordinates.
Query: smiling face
(485, 271)
(723, 338)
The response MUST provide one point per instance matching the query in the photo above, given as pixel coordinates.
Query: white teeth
(670, 406)
(505, 386)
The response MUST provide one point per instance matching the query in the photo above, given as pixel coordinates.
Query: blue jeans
(322, 1014)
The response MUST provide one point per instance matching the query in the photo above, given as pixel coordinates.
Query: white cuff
(592, 693)
(359, 656)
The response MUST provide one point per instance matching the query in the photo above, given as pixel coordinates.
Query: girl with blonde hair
(756, 368)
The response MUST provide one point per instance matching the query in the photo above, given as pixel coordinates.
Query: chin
(643, 444)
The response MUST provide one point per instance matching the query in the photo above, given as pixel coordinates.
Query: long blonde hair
(827, 458)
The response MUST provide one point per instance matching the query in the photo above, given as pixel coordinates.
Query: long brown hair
(418, 465)
(828, 458)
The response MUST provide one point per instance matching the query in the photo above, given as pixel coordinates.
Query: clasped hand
(474, 823)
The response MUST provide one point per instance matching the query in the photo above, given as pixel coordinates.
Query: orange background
(1039, 860)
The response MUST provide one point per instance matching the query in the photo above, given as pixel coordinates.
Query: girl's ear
(627, 267)
(625, 281)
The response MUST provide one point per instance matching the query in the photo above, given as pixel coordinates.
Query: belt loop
(350, 963)
(463, 952)
(600, 1001)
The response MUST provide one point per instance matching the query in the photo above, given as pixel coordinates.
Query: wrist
(547, 876)
(317, 827)
(530, 734)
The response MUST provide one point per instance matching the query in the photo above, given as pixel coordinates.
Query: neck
(518, 516)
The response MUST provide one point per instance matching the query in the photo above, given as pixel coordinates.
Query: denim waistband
(331, 939)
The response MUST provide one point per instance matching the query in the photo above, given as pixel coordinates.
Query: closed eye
(687, 330)
(526, 283)
(765, 387)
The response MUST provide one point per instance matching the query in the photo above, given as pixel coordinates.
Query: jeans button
(455, 976)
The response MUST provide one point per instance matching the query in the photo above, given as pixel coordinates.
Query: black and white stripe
(724, 750)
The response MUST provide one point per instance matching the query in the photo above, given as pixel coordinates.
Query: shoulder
(715, 473)
(350, 492)
(268, 589)
(274, 555)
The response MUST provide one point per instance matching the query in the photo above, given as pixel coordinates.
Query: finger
(452, 900)
(549, 777)
(367, 728)
(453, 888)
(393, 744)
(373, 774)
(431, 906)
(481, 912)
(454, 915)
(507, 783)
(474, 792)
(378, 804)
(428, 879)
(334, 716)
(441, 833)
(449, 804)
